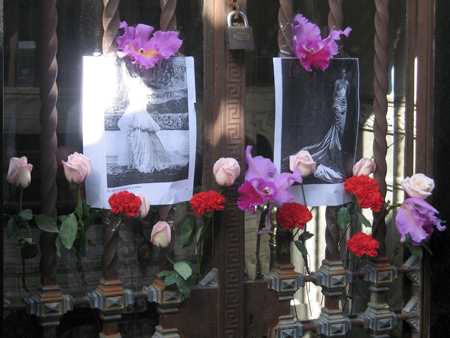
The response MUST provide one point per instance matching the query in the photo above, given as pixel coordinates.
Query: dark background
(440, 261)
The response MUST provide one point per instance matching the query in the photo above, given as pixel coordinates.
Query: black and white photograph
(318, 112)
(147, 127)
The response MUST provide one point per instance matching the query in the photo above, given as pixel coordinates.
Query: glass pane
(79, 33)
(260, 120)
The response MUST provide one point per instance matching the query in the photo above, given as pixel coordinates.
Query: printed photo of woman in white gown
(141, 148)
(147, 127)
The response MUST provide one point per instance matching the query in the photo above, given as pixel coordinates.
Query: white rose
(418, 185)
(364, 166)
(303, 161)
(226, 170)
(19, 172)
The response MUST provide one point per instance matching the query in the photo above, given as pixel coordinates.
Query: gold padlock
(239, 37)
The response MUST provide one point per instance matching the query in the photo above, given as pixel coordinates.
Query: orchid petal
(249, 198)
(416, 218)
(167, 43)
(283, 182)
(143, 32)
(258, 166)
(304, 29)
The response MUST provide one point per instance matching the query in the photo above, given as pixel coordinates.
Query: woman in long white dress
(328, 152)
(144, 150)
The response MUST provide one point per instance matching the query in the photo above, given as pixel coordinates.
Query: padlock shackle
(241, 14)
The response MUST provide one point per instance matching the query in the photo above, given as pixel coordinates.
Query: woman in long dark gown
(328, 152)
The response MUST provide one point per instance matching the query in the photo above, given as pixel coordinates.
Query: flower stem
(395, 253)
(262, 222)
(200, 245)
(20, 198)
(167, 256)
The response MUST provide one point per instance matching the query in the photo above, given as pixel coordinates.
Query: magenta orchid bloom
(308, 45)
(261, 186)
(416, 218)
(143, 50)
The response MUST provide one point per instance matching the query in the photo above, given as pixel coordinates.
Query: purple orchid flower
(308, 45)
(261, 186)
(416, 218)
(143, 50)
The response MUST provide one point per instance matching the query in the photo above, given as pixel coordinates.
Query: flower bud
(145, 206)
(364, 166)
(77, 168)
(19, 172)
(304, 162)
(226, 170)
(161, 234)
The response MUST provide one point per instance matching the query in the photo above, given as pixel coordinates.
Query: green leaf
(171, 278)
(25, 224)
(11, 227)
(199, 233)
(427, 248)
(364, 220)
(58, 244)
(73, 256)
(26, 214)
(285, 246)
(164, 273)
(343, 218)
(198, 189)
(29, 240)
(68, 231)
(185, 286)
(183, 269)
(85, 208)
(90, 219)
(187, 231)
(305, 236)
(29, 249)
(301, 247)
(46, 223)
(415, 250)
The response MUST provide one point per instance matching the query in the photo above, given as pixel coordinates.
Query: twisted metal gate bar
(229, 300)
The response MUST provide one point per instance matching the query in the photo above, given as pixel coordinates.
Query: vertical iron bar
(111, 21)
(380, 108)
(48, 139)
(285, 15)
(336, 16)
(168, 21)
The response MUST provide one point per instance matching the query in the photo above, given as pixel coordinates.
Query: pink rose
(304, 162)
(145, 206)
(226, 170)
(364, 166)
(19, 172)
(418, 185)
(77, 168)
(161, 234)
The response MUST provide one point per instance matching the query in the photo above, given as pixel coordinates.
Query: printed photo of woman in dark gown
(328, 152)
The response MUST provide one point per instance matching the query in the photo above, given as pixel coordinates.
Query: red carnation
(362, 244)
(366, 190)
(292, 215)
(125, 203)
(207, 201)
